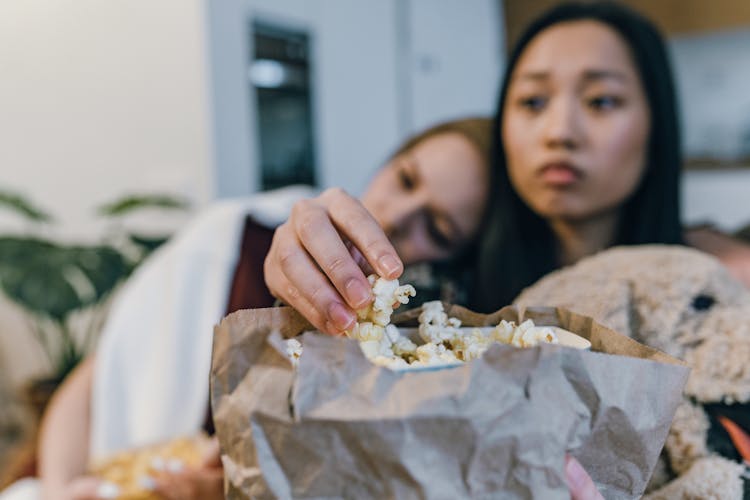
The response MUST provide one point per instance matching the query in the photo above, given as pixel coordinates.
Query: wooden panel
(674, 17)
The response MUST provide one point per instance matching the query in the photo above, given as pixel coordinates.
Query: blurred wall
(381, 70)
(98, 99)
(712, 72)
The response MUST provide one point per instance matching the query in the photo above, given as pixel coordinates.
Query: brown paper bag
(498, 427)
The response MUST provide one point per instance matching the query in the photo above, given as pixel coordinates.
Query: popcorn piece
(294, 350)
(107, 490)
(372, 328)
(430, 354)
(434, 324)
(503, 332)
(175, 465)
(366, 331)
(147, 483)
(529, 335)
(158, 464)
(536, 335)
(387, 294)
(404, 346)
(391, 331)
(373, 348)
(471, 346)
(520, 331)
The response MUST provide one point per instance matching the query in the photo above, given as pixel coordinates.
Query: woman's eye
(604, 102)
(533, 103)
(405, 179)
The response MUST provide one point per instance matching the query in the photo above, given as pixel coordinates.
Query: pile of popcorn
(131, 475)
(445, 343)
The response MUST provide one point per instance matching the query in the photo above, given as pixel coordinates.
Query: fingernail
(390, 265)
(358, 293)
(574, 473)
(340, 316)
(334, 331)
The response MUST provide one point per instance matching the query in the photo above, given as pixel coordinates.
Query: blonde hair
(477, 130)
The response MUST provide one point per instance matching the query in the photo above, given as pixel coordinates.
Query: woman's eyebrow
(588, 75)
(604, 74)
(534, 75)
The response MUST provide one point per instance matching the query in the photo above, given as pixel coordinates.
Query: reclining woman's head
(430, 196)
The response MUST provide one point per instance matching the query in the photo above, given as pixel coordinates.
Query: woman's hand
(317, 258)
(581, 485)
(205, 482)
(83, 488)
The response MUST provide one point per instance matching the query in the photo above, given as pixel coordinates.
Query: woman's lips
(559, 174)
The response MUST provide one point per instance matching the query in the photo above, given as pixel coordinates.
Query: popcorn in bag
(495, 422)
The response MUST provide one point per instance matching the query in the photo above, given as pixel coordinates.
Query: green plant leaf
(131, 203)
(31, 275)
(54, 280)
(103, 266)
(148, 243)
(23, 207)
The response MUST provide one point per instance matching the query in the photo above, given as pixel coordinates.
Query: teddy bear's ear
(608, 301)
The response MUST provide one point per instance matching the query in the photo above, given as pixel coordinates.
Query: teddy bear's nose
(703, 302)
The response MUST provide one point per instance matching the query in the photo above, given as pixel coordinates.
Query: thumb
(212, 454)
(87, 488)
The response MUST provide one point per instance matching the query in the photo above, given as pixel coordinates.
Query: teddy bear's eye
(703, 302)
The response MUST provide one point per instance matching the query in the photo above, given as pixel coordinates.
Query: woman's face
(430, 199)
(576, 122)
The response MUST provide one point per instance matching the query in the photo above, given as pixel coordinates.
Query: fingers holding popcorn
(323, 243)
(314, 258)
(283, 289)
(353, 220)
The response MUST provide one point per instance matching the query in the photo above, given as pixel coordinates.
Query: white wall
(98, 99)
(457, 56)
(712, 72)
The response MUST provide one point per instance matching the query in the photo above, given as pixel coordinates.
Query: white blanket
(153, 360)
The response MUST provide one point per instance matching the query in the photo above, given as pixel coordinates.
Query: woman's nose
(562, 127)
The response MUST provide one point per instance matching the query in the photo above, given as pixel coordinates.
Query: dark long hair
(518, 246)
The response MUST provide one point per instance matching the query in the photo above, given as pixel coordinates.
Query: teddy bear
(686, 304)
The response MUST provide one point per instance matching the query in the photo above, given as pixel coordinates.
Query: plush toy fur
(686, 304)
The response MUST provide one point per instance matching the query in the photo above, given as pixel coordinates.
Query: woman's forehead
(448, 159)
(574, 48)
(452, 172)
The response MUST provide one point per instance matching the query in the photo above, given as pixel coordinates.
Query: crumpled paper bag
(341, 427)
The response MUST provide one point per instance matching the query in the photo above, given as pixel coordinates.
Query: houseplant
(64, 287)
